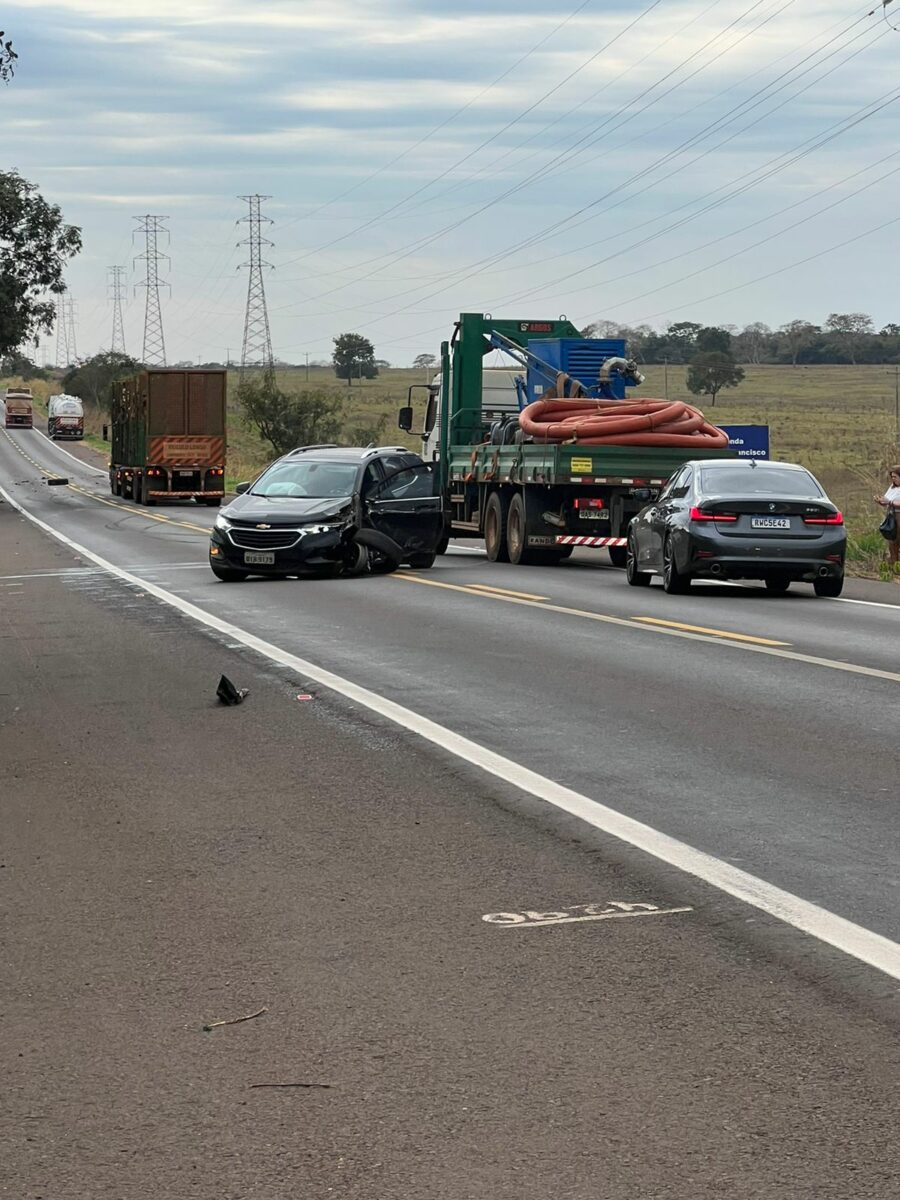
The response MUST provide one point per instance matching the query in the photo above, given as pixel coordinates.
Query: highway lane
(780, 766)
(169, 864)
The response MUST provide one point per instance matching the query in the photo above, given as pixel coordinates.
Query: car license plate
(593, 514)
(255, 558)
(770, 522)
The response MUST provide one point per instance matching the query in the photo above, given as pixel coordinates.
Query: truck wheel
(618, 555)
(213, 501)
(137, 488)
(520, 552)
(495, 519)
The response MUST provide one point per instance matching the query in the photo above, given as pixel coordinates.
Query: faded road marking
(486, 587)
(722, 633)
(580, 912)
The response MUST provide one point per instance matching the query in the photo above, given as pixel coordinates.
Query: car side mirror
(240, 488)
(405, 418)
(642, 494)
(106, 433)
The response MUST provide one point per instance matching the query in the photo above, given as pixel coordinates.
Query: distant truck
(19, 408)
(65, 417)
(168, 436)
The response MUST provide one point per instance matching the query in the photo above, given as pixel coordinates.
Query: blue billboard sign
(749, 441)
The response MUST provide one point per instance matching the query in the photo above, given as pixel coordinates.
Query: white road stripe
(74, 457)
(860, 943)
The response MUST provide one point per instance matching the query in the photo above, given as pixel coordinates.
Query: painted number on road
(581, 912)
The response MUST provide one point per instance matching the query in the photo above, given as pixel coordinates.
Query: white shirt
(892, 495)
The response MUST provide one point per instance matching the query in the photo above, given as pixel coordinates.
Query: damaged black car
(330, 510)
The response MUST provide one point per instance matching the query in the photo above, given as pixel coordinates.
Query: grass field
(840, 421)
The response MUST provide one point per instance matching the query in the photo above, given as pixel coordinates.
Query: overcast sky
(610, 160)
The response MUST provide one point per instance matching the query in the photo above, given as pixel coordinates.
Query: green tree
(710, 372)
(35, 245)
(849, 332)
(711, 339)
(289, 419)
(92, 379)
(354, 357)
(424, 362)
(8, 58)
(20, 366)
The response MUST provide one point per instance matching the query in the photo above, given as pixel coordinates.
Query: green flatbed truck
(534, 503)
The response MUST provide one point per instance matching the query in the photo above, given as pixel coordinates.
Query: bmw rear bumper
(718, 556)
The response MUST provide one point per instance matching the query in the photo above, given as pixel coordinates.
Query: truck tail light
(589, 502)
(698, 515)
(835, 519)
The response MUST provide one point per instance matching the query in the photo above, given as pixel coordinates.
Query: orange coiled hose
(620, 423)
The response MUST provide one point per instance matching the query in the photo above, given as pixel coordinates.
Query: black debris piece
(229, 694)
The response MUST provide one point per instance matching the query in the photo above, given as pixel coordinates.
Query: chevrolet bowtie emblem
(264, 527)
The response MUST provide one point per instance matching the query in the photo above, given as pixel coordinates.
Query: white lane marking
(464, 550)
(854, 940)
(74, 457)
(576, 913)
(868, 603)
(76, 572)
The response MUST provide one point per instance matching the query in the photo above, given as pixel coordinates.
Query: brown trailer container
(168, 436)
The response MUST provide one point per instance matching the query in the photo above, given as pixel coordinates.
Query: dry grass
(839, 421)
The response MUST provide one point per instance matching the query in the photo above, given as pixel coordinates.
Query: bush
(289, 419)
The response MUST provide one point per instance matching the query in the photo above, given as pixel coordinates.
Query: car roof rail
(373, 449)
(320, 446)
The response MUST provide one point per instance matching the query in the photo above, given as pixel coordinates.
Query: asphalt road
(168, 862)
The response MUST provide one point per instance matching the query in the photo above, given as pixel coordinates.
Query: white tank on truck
(65, 417)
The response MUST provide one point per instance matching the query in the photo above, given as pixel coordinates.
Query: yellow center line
(719, 633)
(692, 633)
(486, 587)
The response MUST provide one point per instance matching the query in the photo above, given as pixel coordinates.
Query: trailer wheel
(495, 521)
(618, 555)
(137, 489)
(213, 501)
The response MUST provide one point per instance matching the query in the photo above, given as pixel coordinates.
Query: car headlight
(222, 522)
(320, 528)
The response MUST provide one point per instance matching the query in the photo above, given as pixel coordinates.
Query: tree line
(843, 338)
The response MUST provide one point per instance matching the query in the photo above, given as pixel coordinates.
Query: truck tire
(144, 492)
(213, 501)
(495, 517)
(137, 488)
(520, 552)
(618, 555)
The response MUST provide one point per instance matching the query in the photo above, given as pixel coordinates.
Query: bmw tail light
(698, 515)
(835, 519)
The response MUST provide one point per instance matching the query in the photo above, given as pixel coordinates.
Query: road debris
(234, 1020)
(229, 694)
(304, 696)
(57, 483)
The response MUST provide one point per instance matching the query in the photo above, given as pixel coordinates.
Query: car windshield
(307, 478)
(767, 481)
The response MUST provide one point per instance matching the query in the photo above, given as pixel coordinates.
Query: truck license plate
(255, 558)
(594, 514)
(770, 522)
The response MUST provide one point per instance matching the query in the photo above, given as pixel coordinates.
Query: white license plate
(593, 514)
(256, 558)
(770, 522)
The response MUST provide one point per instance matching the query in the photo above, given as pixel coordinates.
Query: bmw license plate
(256, 558)
(770, 522)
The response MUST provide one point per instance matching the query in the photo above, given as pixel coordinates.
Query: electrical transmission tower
(70, 330)
(152, 227)
(257, 347)
(117, 289)
(62, 330)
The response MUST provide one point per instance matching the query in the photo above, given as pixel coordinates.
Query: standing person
(891, 500)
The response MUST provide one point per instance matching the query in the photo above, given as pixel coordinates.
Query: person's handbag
(888, 527)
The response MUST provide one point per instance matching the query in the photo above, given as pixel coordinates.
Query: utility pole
(666, 376)
(307, 366)
(151, 226)
(257, 346)
(62, 330)
(117, 287)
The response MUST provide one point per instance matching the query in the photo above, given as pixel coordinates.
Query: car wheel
(229, 574)
(832, 586)
(778, 584)
(421, 562)
(635, 577)
(673, 581)
(495, 515)
(618, 555)
(357, 559)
